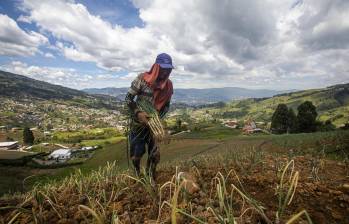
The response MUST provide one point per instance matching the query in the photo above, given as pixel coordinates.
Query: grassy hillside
(20, 87)
(13, 85)
(26, 101)
(332, 104)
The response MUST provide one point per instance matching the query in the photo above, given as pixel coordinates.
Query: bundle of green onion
(154, 122)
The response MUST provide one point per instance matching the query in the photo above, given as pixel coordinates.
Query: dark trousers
(139, 142)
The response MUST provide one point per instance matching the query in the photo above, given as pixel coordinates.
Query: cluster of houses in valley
(249, 126)
(57, 115)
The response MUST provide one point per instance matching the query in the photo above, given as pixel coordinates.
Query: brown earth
(323, 192)
(326, 200)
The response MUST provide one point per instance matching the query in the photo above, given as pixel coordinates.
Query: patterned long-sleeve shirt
(139, 90)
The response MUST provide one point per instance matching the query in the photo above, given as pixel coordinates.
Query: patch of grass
(215, 132)
(16, 179)
(13, 154)
(101, 142)
(39, 148)
(91, 134)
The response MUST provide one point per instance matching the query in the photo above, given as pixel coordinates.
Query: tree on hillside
(306, 117)
(291, 121)
(28, 137)
(279, 120)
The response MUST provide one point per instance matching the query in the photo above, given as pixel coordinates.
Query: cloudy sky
(289, 44)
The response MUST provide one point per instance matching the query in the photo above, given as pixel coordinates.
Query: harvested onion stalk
(154, 122)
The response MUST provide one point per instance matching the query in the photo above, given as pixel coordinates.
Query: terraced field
(296, 178)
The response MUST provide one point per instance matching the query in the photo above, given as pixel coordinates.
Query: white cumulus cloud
(289, 44)
(64, 76)
(16, 42)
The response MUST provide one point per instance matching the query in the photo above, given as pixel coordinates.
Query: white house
(88, 148)
(9, 145)
(60, 154)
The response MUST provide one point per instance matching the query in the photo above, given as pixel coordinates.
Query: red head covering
(162, 91)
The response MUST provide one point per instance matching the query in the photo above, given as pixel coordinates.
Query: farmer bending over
(156, 87)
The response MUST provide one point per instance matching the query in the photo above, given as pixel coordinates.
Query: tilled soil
(325, 197)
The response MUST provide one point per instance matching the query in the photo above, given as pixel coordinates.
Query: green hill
(20, 87)
(13, 85)
(26, 101)
(332, 104)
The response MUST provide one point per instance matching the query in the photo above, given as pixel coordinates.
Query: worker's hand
(143, 117)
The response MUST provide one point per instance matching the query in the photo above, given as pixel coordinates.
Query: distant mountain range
(198, 96)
